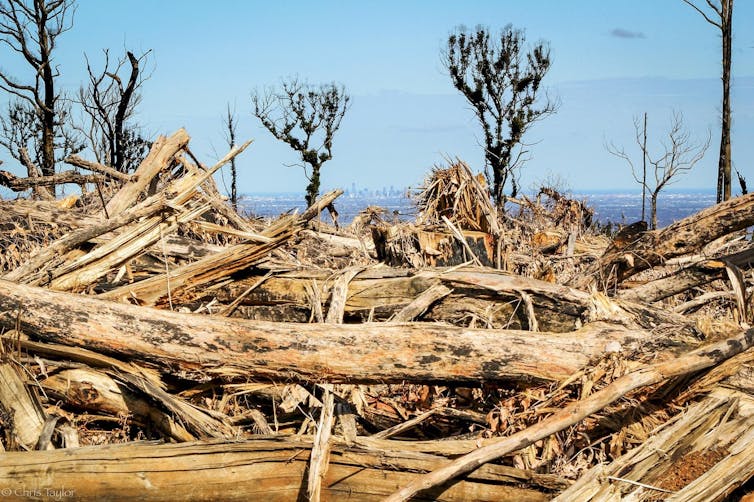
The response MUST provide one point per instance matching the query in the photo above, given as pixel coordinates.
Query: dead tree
(722, 18)
(21, 135)
(108, 103)
(31, 29)
(677, 155)
(502, 83)
(306, 118)
(230, 121)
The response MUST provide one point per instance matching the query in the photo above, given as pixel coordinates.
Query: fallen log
(259, 469)
(494, 298)
(196, 346)
(692, 276)
(97, 392)
(653, 248)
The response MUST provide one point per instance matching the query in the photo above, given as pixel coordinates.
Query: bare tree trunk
(231, 123)
(653, 210)
(120, 116)
(644, 172)
(48, 110)
(724, 167)
(312, 190)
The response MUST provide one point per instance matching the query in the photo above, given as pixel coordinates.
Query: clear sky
(612, 60)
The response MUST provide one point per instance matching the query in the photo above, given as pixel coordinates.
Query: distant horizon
(576, 191)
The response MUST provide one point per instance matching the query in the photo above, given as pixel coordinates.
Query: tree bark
(195, 344)
(724, 167)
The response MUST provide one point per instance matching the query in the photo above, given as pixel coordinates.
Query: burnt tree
(502, 82)
(108, 103)
(31, 29)
(230, 122)
(306, 118)
(721, 18)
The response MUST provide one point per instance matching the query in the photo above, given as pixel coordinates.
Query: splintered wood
(466, 355)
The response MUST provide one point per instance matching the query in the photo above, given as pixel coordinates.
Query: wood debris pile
(179, 351)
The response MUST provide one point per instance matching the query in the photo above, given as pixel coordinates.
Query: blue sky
(612, 60)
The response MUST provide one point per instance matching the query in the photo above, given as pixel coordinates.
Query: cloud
(623, 33)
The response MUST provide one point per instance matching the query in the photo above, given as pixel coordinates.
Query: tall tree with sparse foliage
(305, 117)
(721, 17)
(30, 28)
(501, 80)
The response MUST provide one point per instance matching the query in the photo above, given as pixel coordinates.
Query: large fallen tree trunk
(682, 237)
(196, 346)
(481, 297)
(687, 278)
(260, 469)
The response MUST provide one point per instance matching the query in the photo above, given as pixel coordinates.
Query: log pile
(157, 345)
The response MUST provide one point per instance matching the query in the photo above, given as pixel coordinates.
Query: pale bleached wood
(77, 161)
(163, 150)
(421, 303)
(339, 295)
(319, 459)
(88, 268)
(702, 271)
(653, 248)
(27, 417)
(269, 469)
(344, 353)
(69, 241)
(219, 265)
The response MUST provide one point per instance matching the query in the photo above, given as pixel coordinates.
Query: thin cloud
(623, 33)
